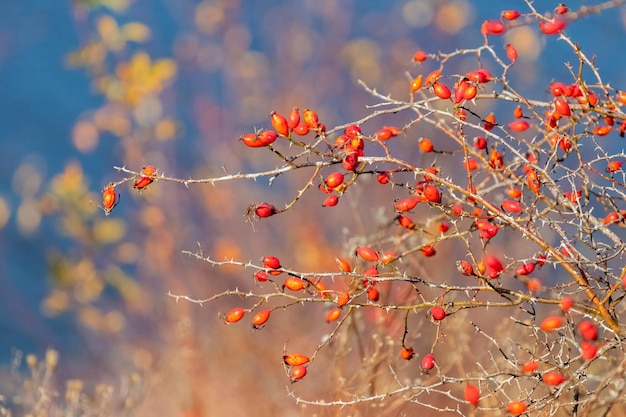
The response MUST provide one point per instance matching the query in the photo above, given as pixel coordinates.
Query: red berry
(493, 27)
(406, 204)
(588, 350)
(428, 362)
(566, 303)
(519, 125)
(588, 330)
(383, 178)
(471, 394)
(552, 27)
(264, 210)
(330, 201)
(561, 106)
(510, 14)
(511, 206)
(530, 367)
(261, 276)
(437, 313)
(465, 268)
(271, 262)
(428, 250)
(373, 294)
(420, 56)
(298, 372)
(480, 142)
(511, 52)
(294, 118)
(352, 131)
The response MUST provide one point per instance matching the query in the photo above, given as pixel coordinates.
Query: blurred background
(92, 84)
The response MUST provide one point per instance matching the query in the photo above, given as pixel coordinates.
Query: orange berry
(333, 314)
(407, 353)
(406, 222)
(279, 123)
(109, 199)
(514, 192)
(517, 113)
(295, 359)
(601, 130)
(534, 284)
(490, 121)
(367, 254)
(530, 367)
(343, 265)
(516, 408)
(432, 77)
(416, 84)
(311, 119)
(234, 315)
(426, 145)
(553, 378)
(334, 180)
(614, 166)
(373, 294)
(566, 303)
(551, 323)
(343, 299)
(442, 91)
(261, 318)
(294, 283)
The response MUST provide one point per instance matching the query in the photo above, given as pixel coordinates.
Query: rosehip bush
(498, 248)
